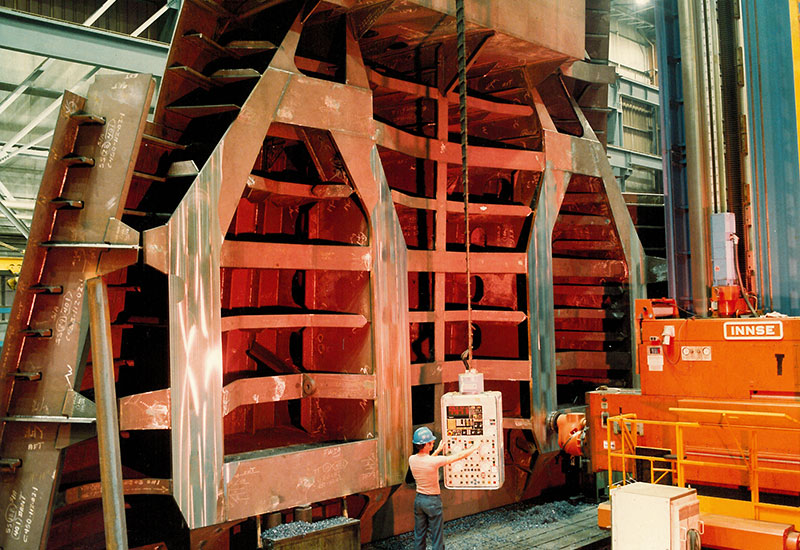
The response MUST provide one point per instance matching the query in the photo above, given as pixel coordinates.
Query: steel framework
(286, 281)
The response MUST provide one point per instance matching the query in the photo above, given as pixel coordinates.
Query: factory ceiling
(50, 47)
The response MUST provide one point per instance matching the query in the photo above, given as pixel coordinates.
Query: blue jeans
(428, 514)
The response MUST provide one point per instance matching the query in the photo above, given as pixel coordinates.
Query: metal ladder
(75, 236)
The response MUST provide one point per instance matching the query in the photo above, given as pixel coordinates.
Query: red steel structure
(283, 255)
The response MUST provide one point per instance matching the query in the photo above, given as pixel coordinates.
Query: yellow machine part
(794, 13)
(12, 264)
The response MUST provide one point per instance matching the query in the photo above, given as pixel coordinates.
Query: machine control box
(644, 515)
(468, 419)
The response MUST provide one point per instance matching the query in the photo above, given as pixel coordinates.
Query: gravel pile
(501, 525)
(288, 530)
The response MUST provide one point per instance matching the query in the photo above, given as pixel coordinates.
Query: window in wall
(639, 126)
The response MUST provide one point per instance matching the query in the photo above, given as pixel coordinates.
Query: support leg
(107, 419)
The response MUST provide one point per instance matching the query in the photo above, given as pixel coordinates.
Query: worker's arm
(439, 448)
(463, 454)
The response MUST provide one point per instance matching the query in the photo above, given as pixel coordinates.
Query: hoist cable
(462, 109)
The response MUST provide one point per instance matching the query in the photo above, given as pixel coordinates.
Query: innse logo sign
(753, 330)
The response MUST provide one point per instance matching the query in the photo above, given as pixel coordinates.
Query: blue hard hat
(423, 435)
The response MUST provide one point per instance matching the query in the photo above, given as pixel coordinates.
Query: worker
(428, 502)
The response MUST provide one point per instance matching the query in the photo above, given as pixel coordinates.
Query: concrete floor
(558, 525)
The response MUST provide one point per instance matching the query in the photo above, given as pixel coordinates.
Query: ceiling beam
(21, 226)
(52, 38)
(30, 90)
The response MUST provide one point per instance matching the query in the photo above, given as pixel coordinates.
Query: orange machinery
(718, 409)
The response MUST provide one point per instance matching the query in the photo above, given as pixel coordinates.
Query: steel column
(188, 249)
(107, 422)
(540, 298)
(773, 152)
(672, 152)
(390, 296)
(696, 160)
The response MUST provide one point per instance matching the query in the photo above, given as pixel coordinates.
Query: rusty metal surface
(627, 263)
(526, 22)
(202, 479)
(305, 476)
(195, 328)
(28, 493)
(296, 386)
(92, 491)
(107, 418)
(311, 267)
(41, 226)
(390, 296)
(196, 350)
(145, 411)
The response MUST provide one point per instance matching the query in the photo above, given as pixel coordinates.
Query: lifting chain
(462, 109)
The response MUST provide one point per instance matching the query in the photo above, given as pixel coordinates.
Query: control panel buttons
(469, 419)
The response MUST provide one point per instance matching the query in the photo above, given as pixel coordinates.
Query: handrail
(736, 413)
(747, 460)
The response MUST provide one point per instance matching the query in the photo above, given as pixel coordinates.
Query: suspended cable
(462, 109)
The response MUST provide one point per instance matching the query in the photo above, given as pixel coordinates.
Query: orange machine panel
(725, 358)
(727, 391)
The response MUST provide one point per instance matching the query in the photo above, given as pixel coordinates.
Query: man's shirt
(425, 469)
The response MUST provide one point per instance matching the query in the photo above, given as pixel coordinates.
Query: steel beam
(455, 262)
(145, 411)
(294, 256)
(50, 38)
(540, 297)
(15, 221)
(637, 90)
(492, 369)
(107, 421)
(25, 85)
(425, 148)
(29, 150)
(53, 280)
(627, 158)
(307, 475)
(271, 389)
(260, 322)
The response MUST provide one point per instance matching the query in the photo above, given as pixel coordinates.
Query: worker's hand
(439, 448)
(475, 447)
